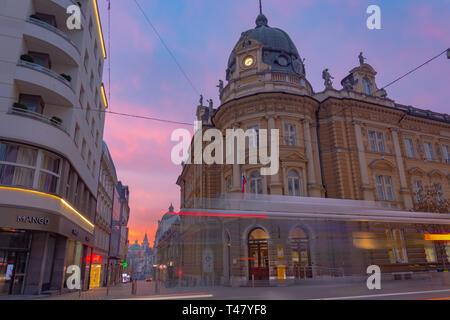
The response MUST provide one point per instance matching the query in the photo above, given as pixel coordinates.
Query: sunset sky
(201, 34)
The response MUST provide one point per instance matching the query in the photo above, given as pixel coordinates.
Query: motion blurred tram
(268, 240)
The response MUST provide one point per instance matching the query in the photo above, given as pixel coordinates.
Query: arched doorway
(258, 254)
(301, 260)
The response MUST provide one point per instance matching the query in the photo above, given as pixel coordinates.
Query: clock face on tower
(249, 61)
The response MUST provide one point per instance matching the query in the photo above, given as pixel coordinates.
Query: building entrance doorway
(14, 251)
(300, 254)
(258, 255)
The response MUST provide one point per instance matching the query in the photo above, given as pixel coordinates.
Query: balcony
(36, 79)
(48, 38)
(37, 116)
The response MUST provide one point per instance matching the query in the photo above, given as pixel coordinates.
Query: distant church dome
(279, 51)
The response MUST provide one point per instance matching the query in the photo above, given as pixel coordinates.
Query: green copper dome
(279, 51)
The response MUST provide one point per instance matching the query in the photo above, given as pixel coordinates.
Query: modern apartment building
(52, 104)
(103, 220)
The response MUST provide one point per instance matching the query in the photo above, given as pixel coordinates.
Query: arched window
(294, 183)
(256, 182)
(366, 84)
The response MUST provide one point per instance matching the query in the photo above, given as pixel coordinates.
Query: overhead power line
(409, 72)
(167, 48)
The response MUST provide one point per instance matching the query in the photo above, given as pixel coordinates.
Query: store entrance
(14, 251)
(12, 271)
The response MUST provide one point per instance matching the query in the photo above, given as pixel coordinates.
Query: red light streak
(221, 214)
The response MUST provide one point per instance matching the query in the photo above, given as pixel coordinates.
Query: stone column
(275, 184)
(236, 178)
(365, 185)
(59, 263)
(313, 189)
(404, 190)
(36, 264)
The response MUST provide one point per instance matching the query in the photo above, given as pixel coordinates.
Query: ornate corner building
(353, 143)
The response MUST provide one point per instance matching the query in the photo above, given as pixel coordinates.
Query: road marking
(172, 297)
(384, 295)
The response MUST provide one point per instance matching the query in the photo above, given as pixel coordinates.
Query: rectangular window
(81, 98)
(49, 173)
(83, 149)
(428, 151)
(88, 113)
(95, 49)
(409, 147)
(100, 68)
(92, 126)
(76, 135)
(398, 252)
(253, 138)
(97, 138)
(17, 165)
(447, 250)
(89, 159)
(90, 26)
(290, 134)
(86, 61)
(32, 102)
(91, 81)
(42, 59)
(418, 191)
(430, 252)
(439, 195)
(384, 188)
(376, 141)
(446, 152)
(47, 18)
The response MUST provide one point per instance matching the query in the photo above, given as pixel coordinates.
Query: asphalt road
(390, 290)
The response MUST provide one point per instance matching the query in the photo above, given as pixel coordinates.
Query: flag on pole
(244, 181)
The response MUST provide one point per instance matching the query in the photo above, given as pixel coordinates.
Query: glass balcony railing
(38, 116)
(53, 29)
(42, 69)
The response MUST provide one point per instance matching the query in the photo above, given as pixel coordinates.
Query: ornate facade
(353, 143)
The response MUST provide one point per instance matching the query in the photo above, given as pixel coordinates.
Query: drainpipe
(320, 150)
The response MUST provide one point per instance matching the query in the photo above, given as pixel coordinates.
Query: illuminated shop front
(97, 269)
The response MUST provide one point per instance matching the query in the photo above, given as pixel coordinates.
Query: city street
(316, 290)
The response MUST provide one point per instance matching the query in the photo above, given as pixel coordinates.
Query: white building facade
(52, 104)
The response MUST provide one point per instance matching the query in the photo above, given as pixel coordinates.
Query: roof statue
(361, 58)
(201, 100)
(327, 77)
(220, 86)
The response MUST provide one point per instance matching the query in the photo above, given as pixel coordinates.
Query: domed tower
(267, 89)
(264, 59)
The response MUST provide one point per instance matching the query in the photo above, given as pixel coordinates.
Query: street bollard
(253, 280)
(133, 287)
